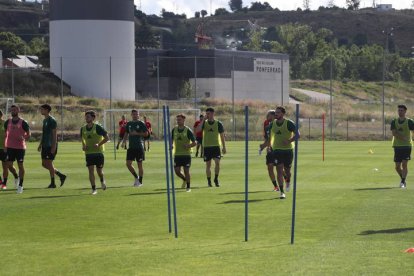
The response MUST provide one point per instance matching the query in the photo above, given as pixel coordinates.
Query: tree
(258, 6)
(221, 11)
(353, 4)
(203, 13)
(145, 37)
(11, 44)
(37, 46)
(236, 5)
(197, 14)
(306, 5)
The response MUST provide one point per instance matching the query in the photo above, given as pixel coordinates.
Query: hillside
(345, 24)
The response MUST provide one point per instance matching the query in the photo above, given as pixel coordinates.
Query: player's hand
(39, 148)
(96, 146)
(262, 146)
(224, 151)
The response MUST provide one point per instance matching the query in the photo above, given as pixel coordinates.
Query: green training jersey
(2, 134)
(211, 133)
(180, 138)
(135, 141)
(49, 124)
(91, 137)
(404, 129)
(280, 132)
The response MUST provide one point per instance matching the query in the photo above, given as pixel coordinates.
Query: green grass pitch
(351, 217)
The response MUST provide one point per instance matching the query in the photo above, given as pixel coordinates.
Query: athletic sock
(188, 185)
(102, 179)
(21, 182)
(209, 180)
(135, 175)
(93, 187)
(52, 180)
(216, 178)
(281, 188)
(5, 181)
(274, 183)
(403, 179)
(16, 175)
(58, 173)
(140, 179)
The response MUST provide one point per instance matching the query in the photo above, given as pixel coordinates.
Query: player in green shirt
(3, 157)
(213, 133)
(281, 138)
(93, 138)
(48, 145)
(135, 132)
(183, 140)
(402, 128)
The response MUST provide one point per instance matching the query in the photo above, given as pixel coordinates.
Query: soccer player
(3, 157)
(402, 128)
(94, 137)
(212, 131)
(183, 140)
(136, 131)
(121, 125)
(282, 136)
(48, 145)
(149, 128)
(199, 135)
(17, 132)
(269, 153)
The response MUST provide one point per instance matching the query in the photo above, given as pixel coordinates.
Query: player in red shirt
(147, 139)
(122, 125)
(199, 135)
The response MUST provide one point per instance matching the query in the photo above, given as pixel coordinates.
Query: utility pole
(387, 33)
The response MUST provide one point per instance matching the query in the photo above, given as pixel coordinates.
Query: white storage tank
(94, 39)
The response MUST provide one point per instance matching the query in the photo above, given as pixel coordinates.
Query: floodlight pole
(167, 167)
(61, 98)
(330, 97)
(386, 33)
(158, 94)
(12, 78)
(246, 173)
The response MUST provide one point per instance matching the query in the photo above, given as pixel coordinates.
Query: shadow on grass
(242, 193)
(108, 187)
(374, 189)
(177, 188)
(386, 231)
(250, 201)
(52, 196)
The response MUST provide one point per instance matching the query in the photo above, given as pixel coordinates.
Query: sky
(189, 7)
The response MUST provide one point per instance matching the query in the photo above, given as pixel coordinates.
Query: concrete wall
(259, 85)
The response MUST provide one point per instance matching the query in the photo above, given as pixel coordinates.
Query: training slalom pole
(172, 172)
(295, 172)
(323, 137)
(164, 115)
(246, 174)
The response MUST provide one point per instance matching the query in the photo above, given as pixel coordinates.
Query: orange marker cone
(409, 250)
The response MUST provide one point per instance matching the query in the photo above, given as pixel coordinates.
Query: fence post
(347, 122)
(309, 128)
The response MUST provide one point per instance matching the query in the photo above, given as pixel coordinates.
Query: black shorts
(402, 153)
(148, 137)
(121, 135)
(95, 159)
(15, 154)
(47, 154)
(284, 157)
(199, 140)
(182, 161)
(212, 153)
(269, 158)
(3, 155)
(135, 155)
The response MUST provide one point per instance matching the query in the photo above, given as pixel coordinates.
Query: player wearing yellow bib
(183, 140)
(402, 128)
(213, 133)
(282, 136)
(94, 137)
(3, 158)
